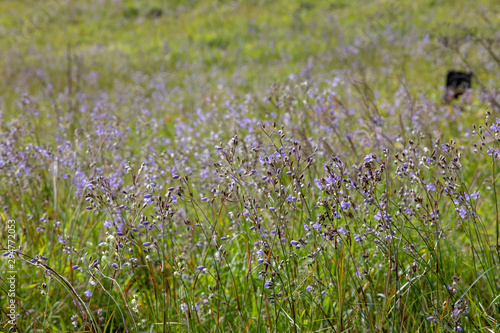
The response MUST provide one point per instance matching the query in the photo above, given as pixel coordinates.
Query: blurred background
(66, 46)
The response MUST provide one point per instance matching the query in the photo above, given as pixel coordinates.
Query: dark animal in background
(457, 83)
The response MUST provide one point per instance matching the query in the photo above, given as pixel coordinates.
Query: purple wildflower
(342, 230)
(463, 212)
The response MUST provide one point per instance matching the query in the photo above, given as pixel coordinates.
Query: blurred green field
(248, 43)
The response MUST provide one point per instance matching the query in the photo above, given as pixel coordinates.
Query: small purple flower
(75, 267)
(107, 224)
(309, 288)
(146, 244)
(357, 238)
(218, 147)
(342, 230)
(324, 292)
(358, 274)
(317, 226)
(463, 212)
(260, 253)
(60, 239)
(200, 268)
(430, 318)
(431, 187)
(272, 209)
(294, 243)
(306, 227)
(475, 195)
(369, 158)
(88, 293)
(291, 198)
(184, 307)
(344, 204)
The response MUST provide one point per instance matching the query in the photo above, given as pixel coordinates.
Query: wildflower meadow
(249, 166)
